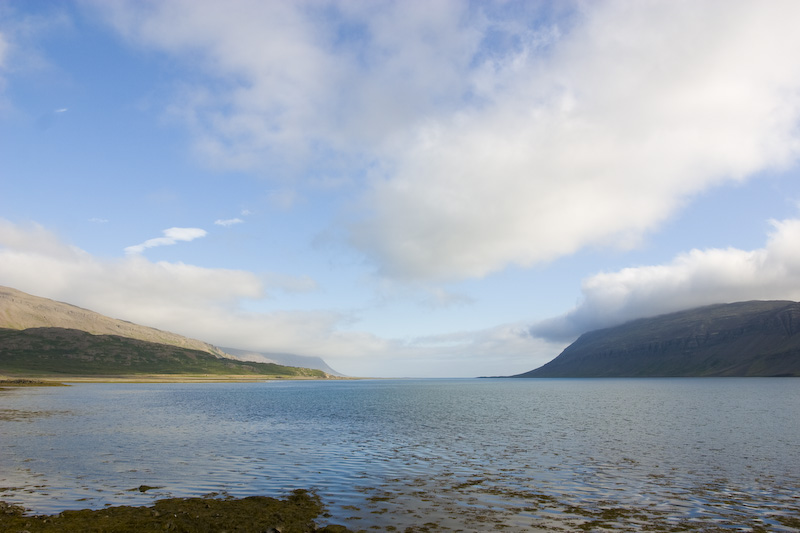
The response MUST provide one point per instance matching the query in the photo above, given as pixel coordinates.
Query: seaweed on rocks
(295, 514)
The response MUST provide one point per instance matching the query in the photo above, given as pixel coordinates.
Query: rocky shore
(257, 514)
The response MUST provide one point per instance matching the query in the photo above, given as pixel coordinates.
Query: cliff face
(758, 338)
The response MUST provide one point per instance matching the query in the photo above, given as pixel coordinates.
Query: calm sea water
(470, 455)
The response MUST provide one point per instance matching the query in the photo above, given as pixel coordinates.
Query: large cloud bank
(695, 278)
(488, 135)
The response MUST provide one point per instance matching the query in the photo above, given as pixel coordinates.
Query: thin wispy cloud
(228, 222)
(171, 236)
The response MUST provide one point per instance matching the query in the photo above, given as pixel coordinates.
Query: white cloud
(698, 277)
(228, 222)
(171, 236)
(203, 303)
(490, 138)
(299, 84)
(470, 353)
(640, 106)
(211, 305)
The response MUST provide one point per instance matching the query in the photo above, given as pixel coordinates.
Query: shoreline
(301, 510)
(50, 381)
(29, 382)
(296, 513)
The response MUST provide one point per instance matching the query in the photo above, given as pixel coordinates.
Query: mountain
(19, 310)
(44, 337)
(287, 359)
(756, 338)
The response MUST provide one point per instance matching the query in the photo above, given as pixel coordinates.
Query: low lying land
(56, 380)
(295, 514)
(28, 382)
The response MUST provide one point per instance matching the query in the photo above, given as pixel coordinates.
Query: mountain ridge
(753, 338)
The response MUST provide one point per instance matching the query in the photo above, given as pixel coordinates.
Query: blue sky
(402, 188)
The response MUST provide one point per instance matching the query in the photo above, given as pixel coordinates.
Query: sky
(405, 189)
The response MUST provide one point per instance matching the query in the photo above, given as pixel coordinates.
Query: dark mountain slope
(757, 338)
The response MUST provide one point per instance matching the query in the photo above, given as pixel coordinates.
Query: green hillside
(70, 352)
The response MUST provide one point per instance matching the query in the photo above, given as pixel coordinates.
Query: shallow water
(468, 455)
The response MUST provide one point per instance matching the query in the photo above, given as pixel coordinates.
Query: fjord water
(473, 455)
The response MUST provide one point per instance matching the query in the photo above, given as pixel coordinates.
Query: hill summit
(755, 338)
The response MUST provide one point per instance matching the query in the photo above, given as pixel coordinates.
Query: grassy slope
(62, 352)
(19, 311)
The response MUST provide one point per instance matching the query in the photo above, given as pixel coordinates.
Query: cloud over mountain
(692, 279)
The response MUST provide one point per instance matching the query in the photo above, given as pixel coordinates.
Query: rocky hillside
(19, 310)
(757, 338)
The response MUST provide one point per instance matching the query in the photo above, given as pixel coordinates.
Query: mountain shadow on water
(755, 338)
